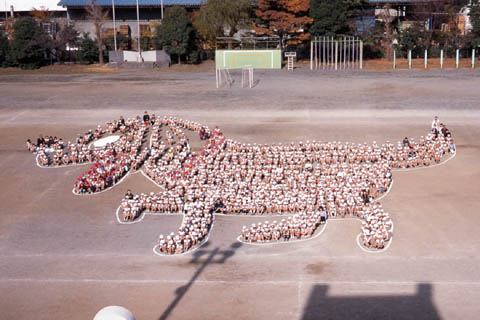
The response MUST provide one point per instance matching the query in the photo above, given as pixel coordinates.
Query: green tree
(175, 35)
(4, 49)
(333, 17)
(28, 48)
(411, 39)
(87, 50)
(330, 17)
(217, 17)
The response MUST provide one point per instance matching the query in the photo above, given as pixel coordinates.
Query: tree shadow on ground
(416, 306)
(203, 257)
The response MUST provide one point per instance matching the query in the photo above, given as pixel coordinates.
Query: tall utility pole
(114, 26)
(138, 30)
(6, 12)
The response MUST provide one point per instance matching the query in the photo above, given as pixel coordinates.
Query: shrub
(87, 50)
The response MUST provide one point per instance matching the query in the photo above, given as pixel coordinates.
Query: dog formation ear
(305, 183)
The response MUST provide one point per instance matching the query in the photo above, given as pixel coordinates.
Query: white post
(394, 59)
(457, 62)
(473, 58)
(409, 59)
(361, 55)
(441, 59)
(426, 59)
(336, 55)
(216, 76)
(250, 71)
(311, 54)
(114, 26)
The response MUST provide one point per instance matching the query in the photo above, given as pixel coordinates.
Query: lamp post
(161, 8)
(114, 26)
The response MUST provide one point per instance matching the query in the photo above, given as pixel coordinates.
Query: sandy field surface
(65, 257)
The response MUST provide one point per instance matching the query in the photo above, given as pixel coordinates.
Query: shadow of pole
(211, 258)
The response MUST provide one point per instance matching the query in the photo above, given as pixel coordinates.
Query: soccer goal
(222, 75)
(247, 76)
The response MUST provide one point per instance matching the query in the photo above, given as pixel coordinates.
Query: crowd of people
(311, 180)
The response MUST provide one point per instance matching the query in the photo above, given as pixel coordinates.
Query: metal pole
(473, 58)
(354, 49)
(426, 59)
(323, 53)
(161, 9)
(311, 54)
(410, 59)
(328, 52)
(394, 59)
(114, 26)
(6, 11)
(138, 29)
(336, 55)
(441, 59)
(361, 55)
(349, 50)
(344, 52)
(457, 62)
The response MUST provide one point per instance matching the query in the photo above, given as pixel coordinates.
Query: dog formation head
(305, 181)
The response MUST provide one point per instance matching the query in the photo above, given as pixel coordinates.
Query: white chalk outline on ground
(150, 179)
(389, 242)
(142, 216)
(189, 251)
(426, 167)
(108, 189)
(57, 167)
(239, 239)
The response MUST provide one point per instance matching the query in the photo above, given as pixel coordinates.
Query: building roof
(400, 1)
(108, 3)
(27, 5)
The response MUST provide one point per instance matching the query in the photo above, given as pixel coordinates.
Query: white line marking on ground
(237, 282)
(239, 239)
(150, 179)
(143, 214)
(386, 193)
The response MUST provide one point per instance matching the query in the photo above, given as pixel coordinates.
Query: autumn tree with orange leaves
(286, 19)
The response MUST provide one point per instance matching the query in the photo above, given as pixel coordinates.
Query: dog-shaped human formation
(306, 181)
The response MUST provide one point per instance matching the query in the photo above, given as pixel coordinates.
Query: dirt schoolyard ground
(65, 257)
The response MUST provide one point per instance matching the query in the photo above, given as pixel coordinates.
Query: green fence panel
(258, 59)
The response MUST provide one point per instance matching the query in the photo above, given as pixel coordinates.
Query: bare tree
(99, 17)
(386, 15)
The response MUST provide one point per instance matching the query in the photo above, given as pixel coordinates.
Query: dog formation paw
(306, 182)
